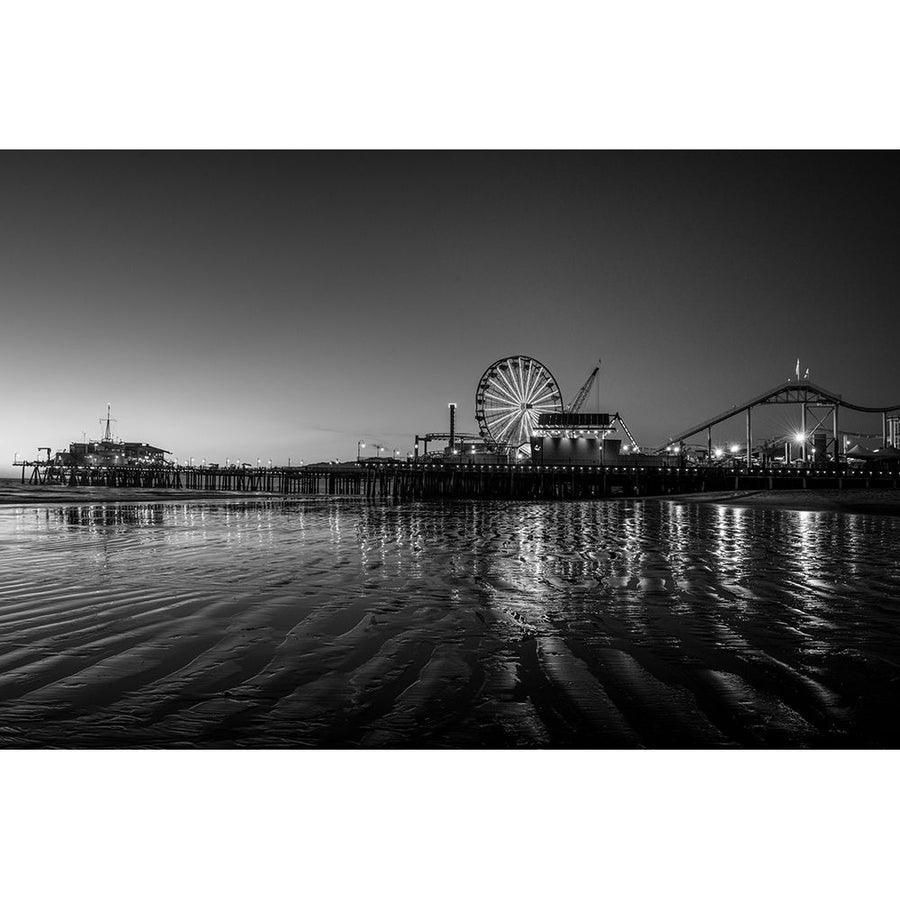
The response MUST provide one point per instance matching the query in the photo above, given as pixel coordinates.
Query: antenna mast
(107, 434)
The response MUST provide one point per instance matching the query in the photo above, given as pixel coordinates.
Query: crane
(581, 396)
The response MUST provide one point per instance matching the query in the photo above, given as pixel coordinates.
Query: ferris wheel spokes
(510, 396)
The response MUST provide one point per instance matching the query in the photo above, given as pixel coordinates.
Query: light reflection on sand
(653, 623)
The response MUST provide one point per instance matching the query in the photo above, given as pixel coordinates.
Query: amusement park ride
(516, 399)
(519, 407)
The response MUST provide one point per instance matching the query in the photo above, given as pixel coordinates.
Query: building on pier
(586, 439)
(575, 438)
(111, 453)
(893, 431)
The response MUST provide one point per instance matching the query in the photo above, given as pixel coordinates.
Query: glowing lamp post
(801, 438)
(359, 446)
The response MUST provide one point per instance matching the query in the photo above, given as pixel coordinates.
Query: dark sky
(289, 304)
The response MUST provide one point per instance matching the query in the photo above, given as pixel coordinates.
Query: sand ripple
(324, 624)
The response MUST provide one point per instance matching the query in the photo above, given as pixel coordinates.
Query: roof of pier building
(549, 423)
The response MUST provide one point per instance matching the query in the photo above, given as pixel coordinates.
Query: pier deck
(420, 481)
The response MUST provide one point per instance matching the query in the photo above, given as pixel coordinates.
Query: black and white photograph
(427, 483)
(451, 450)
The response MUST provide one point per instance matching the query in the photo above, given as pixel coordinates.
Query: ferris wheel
(510, 396)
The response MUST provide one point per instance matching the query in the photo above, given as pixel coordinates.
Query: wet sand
(852, 500)
(16, 493)
(327, 624)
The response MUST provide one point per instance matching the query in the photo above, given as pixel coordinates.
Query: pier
(427, 481)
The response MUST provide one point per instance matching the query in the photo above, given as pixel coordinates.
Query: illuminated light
(718, 452)
(799, 437)
(735, 448)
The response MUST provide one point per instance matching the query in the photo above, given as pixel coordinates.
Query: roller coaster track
(791, 392)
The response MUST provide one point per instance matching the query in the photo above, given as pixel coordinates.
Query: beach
(322, 623)
(13, 492)
(853, 500)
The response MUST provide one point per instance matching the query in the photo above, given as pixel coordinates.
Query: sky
(287, 305)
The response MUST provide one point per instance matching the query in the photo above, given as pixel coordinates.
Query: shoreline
(870, 501)
(79, 496)
(865, 501)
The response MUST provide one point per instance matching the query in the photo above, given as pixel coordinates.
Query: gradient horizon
(290, 304)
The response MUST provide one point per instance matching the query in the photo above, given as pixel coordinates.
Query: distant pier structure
(448, 481)
(529, 446)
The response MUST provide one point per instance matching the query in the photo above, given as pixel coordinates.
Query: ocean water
(507, 624)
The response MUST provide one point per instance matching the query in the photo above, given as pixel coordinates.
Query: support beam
(884, 430)
(837, 434)
(708, 445)
(803, 431)
(749, 441)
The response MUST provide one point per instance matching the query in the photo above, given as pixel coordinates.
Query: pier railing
(420, 481)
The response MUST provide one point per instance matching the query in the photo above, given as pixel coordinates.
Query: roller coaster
(817, 405)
